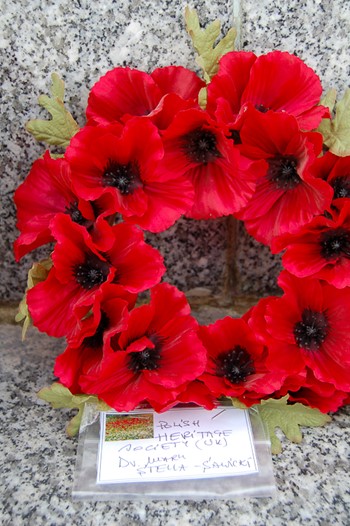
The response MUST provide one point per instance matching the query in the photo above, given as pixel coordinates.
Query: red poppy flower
(320, 249)
(48, 191)
(306, 389)
(85, 352)
(95, 321)
(287, 196)
(276, 81)
(124, 163)
(195, 392)
(309, 326)
(321, 395)
(198, 393)
(125, 92)
(157, 354)
(236, 361)
(81, 272)
(290, 383)
(336, 171)
(197, 148)
(96, 325)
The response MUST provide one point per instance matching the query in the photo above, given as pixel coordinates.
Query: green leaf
(204, 42)
(57, 87)
(237, 404)
(60, 397)
(329, 99)
(336, 131)
(277, 413)
(36, 274)
(202, 98)
(60, 129)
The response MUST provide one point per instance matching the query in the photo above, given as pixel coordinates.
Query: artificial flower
(321, 395)
(336, 171)
(124, 92)
(81, 272)
(154, 357)
(320, 249)
(236, 360)
(287, 196)
(46, 192)
(123, 162)
(277, 81)
(308, 327)
(223, 180)
(84, 354)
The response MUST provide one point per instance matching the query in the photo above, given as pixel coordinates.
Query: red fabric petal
(139, 321)
(276, 209)
(304, 250)
(174, 300)
(51, 305)
(178, 80)
(138, 265)
(75, 361)
(195, 392)
(45, 192)
(222, 184)
(122, 91)
(281, 81)
(229, 83)
(167, 201)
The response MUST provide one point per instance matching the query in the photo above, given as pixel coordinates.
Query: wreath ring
(253, 141)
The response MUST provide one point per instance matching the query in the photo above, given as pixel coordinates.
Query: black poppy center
(124, 177)
(235, 136)
(261, 108)
(335, 243)
(73, 211)
(148, 360)
(341, 186)
(311, 331)
(282, 171)
(92, 272)
(200, 146)
(96, 340)
(235, 365)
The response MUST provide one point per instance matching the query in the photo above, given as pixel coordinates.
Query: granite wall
(83, 39)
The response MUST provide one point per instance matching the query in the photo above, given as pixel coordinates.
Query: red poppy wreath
(254, 141)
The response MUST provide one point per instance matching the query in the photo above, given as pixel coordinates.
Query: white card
(181, 443)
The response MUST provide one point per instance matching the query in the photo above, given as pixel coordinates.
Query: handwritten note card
(181, 443)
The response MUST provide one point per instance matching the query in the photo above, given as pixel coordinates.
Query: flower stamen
(124, 177)
(91, 273)
(200, 146)
(235, 365)
(312, 330)
(282, 171)
(335, 243)
(148, 360)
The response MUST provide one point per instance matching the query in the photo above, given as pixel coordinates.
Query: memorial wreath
(252, 140)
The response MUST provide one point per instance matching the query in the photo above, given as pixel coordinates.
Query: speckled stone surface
(37, 464)
(82, 39)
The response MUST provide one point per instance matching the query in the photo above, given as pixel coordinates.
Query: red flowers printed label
(182, 443)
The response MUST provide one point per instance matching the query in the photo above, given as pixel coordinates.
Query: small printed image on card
(136, 426)
(178, 444)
